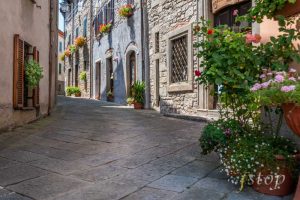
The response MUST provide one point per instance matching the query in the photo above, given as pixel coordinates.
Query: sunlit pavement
(91, 150)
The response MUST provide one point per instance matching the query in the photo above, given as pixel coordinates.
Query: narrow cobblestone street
(89, 150)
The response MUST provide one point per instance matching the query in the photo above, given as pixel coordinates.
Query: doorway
(98, 80)
(110, 79)
(157, 96)
(69, 77)
(132, 71)
(76, 75)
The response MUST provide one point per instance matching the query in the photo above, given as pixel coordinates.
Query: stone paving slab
(21, 156)
(49, 186)
(173, 183)
(18, 173)
(199, 194)
(151, 194)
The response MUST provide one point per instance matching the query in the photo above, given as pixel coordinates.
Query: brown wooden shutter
(36, 90)
(18, 79)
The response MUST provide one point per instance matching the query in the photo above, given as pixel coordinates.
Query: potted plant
(33, 73)
(77, 92)
(80, 41)
(126, 10)
(281, 89)
(130, 100)
(105, 28)
(261, 160)
(69, 91)
(83, 76)
(110, 96)
(138, 89)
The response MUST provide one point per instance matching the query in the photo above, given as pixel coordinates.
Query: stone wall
(82, 56)
(166, 17)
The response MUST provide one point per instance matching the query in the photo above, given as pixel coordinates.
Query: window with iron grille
(156, 42)
(179, 60)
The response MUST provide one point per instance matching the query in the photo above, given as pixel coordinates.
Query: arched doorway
(132, 70)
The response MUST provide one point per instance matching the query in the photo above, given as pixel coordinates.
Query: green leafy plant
(138, 89)
(109, 94)
(33, 72)
(266, 8)
(216, 134)
(105, 28)
(229, 61)
(73, 48)
(72, 90)
(83, 76)
(130, 100)
(126, 10)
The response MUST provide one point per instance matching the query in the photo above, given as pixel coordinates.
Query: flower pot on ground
(73, 91)
(279, 184)
(290, 9)
(138, 89)
(130, 100)
(105, 28)
(292, 116)
(126, 10)
(110, 96)
(80, 41)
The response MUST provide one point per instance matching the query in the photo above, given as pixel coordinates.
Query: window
(109, 12)
(130, 1)
(85, 26)
(156, 42)
(69, 40)
(85, 65)
(23, 96)
(179, 60)
(226, 16)
(60, 46)
(59, 69)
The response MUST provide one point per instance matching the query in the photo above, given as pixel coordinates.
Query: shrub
(72, 90)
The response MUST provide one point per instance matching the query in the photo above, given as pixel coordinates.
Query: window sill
(180, 87)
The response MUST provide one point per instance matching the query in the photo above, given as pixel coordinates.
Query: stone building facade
(60, 81)
(117, 56)
(172, 56)
(77, 23)
(29, 31)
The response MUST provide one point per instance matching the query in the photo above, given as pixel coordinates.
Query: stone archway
(131, 60)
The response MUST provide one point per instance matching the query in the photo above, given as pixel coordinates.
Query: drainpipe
(145, 51)
(91, 49)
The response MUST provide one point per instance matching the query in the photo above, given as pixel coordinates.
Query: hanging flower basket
(126, 10)
(67, 52)
(105, 28)
(80, 41)
(72, 48)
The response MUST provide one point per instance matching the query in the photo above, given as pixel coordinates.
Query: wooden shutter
(36, 90)
(18, 79)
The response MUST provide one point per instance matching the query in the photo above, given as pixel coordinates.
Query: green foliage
(250, 153)
(109, 94)
(138, 89)
(72, 90)
(266, 8)
(280, 51)
(215, 135)
(83, 76)
(33, 72)
(130, 100)
(73, 48)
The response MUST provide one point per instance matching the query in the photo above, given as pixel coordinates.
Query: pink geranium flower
(288, 88)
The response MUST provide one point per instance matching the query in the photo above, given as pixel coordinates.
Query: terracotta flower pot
(78, 95)
(269, 184)
(138, 106)
(110, 98)
(292, 116)
(290, 9)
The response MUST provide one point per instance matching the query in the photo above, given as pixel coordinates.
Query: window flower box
(105, 28)
(126, 11)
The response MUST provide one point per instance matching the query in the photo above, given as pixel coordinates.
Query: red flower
(210, 31)
(197, 73)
